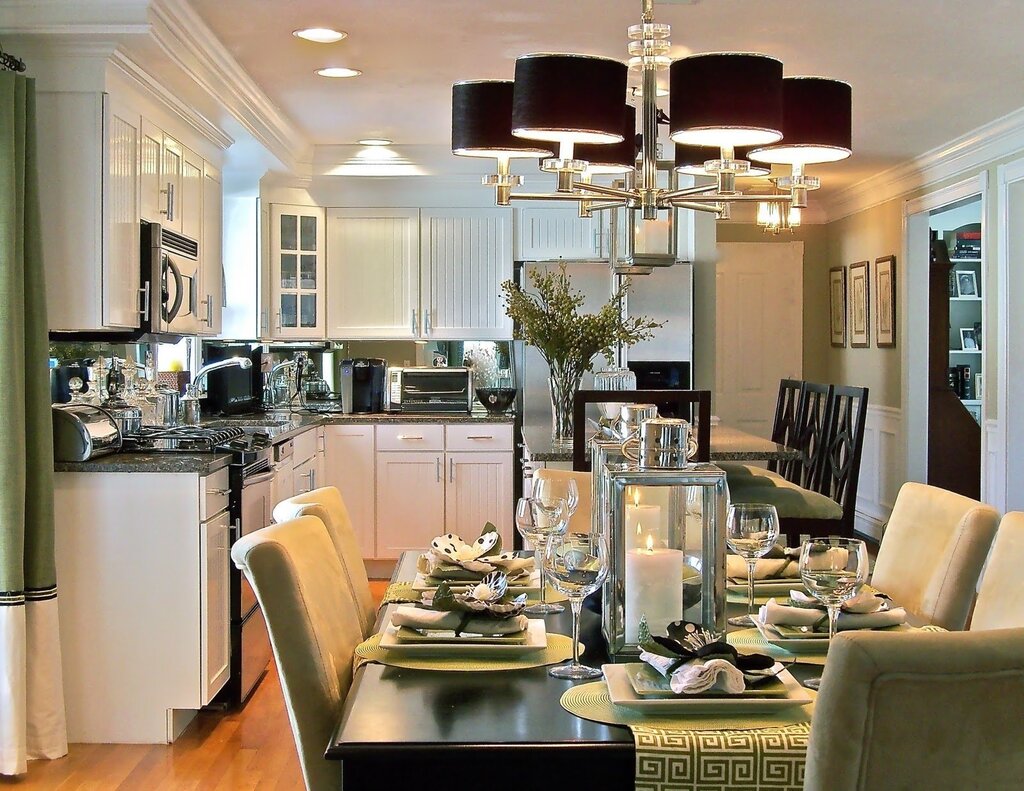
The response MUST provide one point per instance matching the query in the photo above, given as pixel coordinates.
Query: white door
(373, 260)
(297, 284)
(478, 491)
(410, 501)
(171, 167)
(152, 194)
(191, 200)
(304, 476)
(466, 254)
(121, 268)
(544, 233)
(211, 266)
(348, 466)
(215, 605)
(758, 330)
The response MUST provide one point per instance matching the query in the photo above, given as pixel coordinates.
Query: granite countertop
(200, 463)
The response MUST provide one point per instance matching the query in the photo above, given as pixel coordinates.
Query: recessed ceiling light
(338, 71)
(321, 35)
(375, 141)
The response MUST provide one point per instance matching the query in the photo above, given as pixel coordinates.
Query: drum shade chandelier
(731, 115)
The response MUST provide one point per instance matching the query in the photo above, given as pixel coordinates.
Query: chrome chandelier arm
(601, 189)
(710, 208)
(684, 191)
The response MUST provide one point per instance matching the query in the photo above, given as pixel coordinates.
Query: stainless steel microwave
(430, 389)
(170, 282)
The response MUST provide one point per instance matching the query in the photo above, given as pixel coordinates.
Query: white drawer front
(485, 436)
(410, 436)
(304, 446)
(213, 494)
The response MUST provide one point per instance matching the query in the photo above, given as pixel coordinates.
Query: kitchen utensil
(166, 406)
(662, 443)
(82, 432)
(127, 416)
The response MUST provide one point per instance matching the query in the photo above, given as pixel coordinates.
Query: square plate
(529, 584)
(808, 644)
(405, 634)
(649, 683)
(766, 587)
(621, 693)
(536, 640)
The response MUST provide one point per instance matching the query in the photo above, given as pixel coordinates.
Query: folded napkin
(861, 617)
(431, 564)
(779, 563)
(698, 675)
(459, 622)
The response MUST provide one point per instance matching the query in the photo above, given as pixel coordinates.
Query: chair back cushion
(313, 627)
(927, 710)
(327, 505)
(581, 520)
(932, 552)
(1000, 602)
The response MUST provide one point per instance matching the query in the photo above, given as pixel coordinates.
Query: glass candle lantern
(666, 533)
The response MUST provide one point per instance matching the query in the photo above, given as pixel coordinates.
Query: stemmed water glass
(751, 531)
(536, 521)
(577, 564)
(833, 570)
(550, 489)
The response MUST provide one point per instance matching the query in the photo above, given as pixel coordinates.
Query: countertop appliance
(662, 375)
(170, 282)
(362, 385)
(234, 390)
(82, 432)
(423, 389)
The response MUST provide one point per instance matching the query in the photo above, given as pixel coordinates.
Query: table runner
(559, 648)
(749, 752)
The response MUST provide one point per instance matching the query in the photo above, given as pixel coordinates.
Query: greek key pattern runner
(686, 760)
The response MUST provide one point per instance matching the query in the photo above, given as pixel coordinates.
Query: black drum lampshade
(690, 160)
(817, 123)
(482, 122)
(726, 99)
(568, 98)
(614, 157)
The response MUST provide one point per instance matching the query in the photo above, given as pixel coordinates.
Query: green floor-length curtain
(31, 703)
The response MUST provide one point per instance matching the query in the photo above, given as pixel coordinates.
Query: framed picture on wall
(837, 304)
(860, 306)
(966, 283)
(968, 341)
(885, 301)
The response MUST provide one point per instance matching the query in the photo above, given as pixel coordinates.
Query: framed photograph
(966, 283)
(860, 306)
(837, 304)
(885, 301)
(968, 342)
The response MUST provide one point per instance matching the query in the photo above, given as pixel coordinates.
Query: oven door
(257, 506)
(437, 390)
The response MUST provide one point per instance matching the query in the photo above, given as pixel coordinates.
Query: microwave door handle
(263, 477)
(172, 312)
(193, 296)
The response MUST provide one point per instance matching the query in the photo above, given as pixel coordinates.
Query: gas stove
(196, 439)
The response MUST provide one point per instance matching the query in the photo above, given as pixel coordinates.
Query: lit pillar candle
(654, 588)
(637, 515)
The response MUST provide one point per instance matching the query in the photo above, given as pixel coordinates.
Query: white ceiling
(923, 71)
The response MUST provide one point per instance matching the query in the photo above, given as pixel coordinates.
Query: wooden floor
(251, 749)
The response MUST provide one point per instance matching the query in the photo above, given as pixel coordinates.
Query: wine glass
(751, 531)
(550, 489)
(577, 564)
(535, 522)
(833, 570)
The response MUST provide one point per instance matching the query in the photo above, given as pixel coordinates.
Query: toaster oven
(430, 389)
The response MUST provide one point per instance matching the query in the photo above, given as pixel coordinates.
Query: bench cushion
(790, 500)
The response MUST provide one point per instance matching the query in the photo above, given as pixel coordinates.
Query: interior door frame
(912, 297)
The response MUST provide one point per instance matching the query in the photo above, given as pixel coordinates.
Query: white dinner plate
(621, 692)
(812, 644)
(529, 584)
(536, 639)
(766, 587)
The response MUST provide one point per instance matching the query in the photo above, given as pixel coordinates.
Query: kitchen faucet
(196, 389)
(298, 363)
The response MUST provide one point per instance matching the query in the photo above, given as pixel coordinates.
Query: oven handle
(260, 478)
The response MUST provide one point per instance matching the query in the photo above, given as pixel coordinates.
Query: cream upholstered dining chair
(313, 628)
(559, 481)
(1000, 602)
(932, 553)
(327, 505)
(925, 710)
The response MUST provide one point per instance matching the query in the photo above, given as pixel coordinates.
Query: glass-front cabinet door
(297, 272)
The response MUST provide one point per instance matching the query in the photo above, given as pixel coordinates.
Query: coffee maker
(362, 385)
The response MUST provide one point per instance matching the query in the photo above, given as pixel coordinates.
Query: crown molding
(975, 150)
(198, 122)
(187, 40)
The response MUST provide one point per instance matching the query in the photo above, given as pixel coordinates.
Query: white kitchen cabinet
(544, 234)
(478, 490)
(89, 200)
(162, 162)
(349, 466)
(465, 254)
(304, 476)
(215, 604)
(410, 501)
(373, 287)
(191, 203)
(297, 282)
(211, 250)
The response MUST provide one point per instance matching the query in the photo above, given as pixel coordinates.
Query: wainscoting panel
(882, 469)
(993, 484)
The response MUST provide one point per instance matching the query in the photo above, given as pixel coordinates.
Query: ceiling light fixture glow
(320, 35)
(375, 141)
(338, 72)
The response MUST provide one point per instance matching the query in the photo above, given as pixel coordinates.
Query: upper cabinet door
(466, 254)
(190, 205)
(171, 169)
(374, 284)
(211, 249)
(121, 265)
(297, 285)
(544, 234)
(151, 199)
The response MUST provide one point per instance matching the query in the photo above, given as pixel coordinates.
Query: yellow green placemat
(400, 593)
(554, 597)
(592, 702)
(753, 639)
(559, 648)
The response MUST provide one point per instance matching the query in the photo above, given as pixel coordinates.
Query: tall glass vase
(563, 382)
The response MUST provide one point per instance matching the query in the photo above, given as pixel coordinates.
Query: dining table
(495, 730)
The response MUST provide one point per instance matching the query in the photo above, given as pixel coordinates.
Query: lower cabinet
(215, 603)
(304, 476)
(410, 500)
(348, 465)
(479, 490)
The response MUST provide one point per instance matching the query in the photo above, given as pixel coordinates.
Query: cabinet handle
(235, 531)
(426, 322)
(218, 491)
(451, 470)
(144, 291)
(410, 436)
(480, 436)
(264, 321)
(414, 323)
(209, 310)
(278, 321)
(169, 192)
(437, 468)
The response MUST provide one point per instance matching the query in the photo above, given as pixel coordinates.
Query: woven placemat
(559, 648)
(752, 639)
(591, 702)
(400, 593)
(554, 597)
